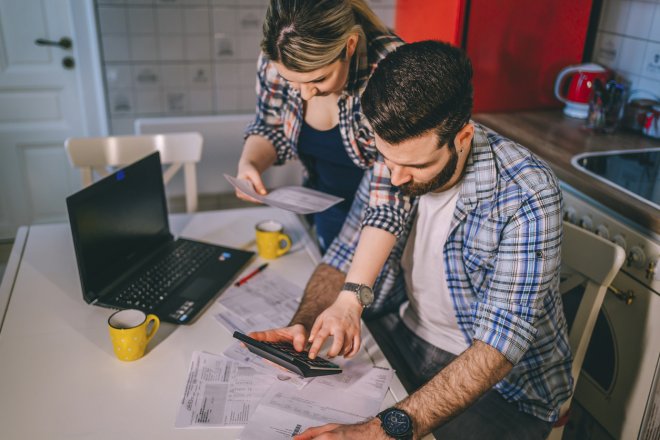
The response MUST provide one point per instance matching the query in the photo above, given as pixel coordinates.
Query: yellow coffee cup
(130, 332)
(272, 242)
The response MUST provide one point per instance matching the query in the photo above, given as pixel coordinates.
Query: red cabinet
(517, 47)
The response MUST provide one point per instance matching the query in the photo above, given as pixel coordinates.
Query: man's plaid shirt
(279, 118)
(502, 260)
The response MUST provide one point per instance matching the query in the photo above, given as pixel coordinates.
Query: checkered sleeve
(524, 268)
(341, 251)
(388, 208)
(271, 101)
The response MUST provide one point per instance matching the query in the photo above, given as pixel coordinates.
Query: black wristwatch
(396, 423)
(364, 294)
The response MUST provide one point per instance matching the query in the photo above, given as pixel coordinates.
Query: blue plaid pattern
(279, 116)
(502, 261)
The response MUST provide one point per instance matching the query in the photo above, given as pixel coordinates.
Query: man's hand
(295, 335)
(249, 172)
(368, 430)
(342, 321)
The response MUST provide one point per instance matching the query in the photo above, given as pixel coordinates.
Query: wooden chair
(94, 155)
(592, 261)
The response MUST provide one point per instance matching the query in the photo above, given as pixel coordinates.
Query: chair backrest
(591, 261)
(93, 155)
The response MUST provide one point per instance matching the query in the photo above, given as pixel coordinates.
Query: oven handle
(626, 297)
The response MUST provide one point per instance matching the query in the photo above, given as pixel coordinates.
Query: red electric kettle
(577, 93)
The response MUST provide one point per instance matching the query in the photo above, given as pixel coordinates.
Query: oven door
(619, 368)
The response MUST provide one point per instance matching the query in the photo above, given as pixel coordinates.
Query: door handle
(64, 42)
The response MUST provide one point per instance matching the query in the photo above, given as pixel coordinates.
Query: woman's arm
(258, 155)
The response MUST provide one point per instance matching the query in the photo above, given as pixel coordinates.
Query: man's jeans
(416, 362)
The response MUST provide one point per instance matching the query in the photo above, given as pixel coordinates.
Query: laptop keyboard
(154, 285)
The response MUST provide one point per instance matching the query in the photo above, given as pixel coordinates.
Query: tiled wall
(628, 41)
(183, 57)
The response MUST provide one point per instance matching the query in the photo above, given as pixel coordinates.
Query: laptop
(128, 258)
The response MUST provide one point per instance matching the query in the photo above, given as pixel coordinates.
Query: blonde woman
(317, 56)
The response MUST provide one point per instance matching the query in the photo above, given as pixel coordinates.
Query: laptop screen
(116, 222)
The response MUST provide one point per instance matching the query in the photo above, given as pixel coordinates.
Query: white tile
(148, 102)
(140, 2)
(170, 21)
(115, 48)
(607, 49)
(175, 100)
(197, 21)
(171, 48)
(120, 126)
(226, 99)
(614, 16)
(640, 19)
(141, 21)
(112, 20)
(111, 2)
(247, 100)
(195, 2)
(225, 20)
(631, 55)
(146, 76)
(225, 46)
(386, 14)
(226, 73)
(197, 48)
(248, 47)
(247, 74)
(654, 35)
(200, 101)
(173, 75)
(651, 87)
(651, 63)
(250, 22)
(118, 76)
(224, 2)
(144, 48)
(199, 75)
(121, 102)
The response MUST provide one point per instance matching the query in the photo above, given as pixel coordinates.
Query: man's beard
(438, 181)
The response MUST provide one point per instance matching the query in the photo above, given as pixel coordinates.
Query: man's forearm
(456, 387)
(321, 291)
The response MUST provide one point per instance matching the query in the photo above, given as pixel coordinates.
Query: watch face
(366, 295)
(396, 422)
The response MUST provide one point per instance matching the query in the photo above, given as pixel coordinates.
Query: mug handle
(283, 250)
(559, 82)
(154, 326)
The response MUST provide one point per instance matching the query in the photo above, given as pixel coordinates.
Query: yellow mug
(272, 242)
(130, 332)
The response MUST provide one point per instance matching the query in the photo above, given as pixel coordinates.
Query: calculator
(283, 354)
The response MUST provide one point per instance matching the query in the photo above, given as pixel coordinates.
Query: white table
(59, 378)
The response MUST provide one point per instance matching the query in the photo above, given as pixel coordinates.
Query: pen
(250, 275)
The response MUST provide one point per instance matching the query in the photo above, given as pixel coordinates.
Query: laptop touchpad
(199, 287)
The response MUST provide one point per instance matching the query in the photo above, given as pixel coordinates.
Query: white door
(40, 106)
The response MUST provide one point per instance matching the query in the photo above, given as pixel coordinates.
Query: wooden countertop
(556, 139)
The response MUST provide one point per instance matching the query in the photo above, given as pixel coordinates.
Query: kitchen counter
(557, 138)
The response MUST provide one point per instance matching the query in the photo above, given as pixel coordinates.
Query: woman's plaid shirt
(502, 260)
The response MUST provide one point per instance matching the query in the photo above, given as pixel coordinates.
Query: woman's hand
(341, 321)
(249, 172)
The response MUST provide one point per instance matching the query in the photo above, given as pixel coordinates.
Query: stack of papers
(238, 388)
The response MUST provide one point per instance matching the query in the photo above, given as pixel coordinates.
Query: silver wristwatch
(363, 293)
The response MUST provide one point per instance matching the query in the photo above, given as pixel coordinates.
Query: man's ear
(351, 44)
(463, 138)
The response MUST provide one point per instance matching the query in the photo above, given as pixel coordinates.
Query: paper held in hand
(296, 199)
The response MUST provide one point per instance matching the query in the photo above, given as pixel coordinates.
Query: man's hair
(417, 88)
(305, 35)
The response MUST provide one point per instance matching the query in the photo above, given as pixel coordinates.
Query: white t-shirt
(429, 311)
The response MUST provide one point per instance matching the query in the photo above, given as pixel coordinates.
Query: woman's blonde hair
(305, 35)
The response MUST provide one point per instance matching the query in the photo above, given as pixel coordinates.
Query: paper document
(265, 301)
(220, 392)
(296, 199)
(350, 397)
